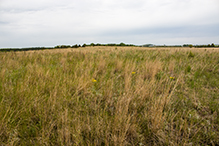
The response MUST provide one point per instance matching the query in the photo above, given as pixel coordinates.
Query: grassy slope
(51, 97)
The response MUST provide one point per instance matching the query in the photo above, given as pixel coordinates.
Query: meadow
(110, 96)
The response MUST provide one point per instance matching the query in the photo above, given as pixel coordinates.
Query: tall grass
(108, 96)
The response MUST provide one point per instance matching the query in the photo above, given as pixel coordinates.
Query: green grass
(51, 98)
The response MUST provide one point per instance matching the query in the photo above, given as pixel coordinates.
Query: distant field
(110, 96)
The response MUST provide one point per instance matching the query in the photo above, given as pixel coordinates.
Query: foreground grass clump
(123, 96)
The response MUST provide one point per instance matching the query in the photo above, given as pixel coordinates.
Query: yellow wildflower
(94, 81)
(133, 72)
(172, 78)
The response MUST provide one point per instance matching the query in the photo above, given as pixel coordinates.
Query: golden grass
(108, 96)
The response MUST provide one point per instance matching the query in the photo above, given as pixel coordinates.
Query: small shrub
(188, 69)
(191, 55)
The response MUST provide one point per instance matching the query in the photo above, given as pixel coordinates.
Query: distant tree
(75, 46)
(212, 45)
(98, 44)
(190, 45)
(110, 44)
(92, 44)
(122, 44)
(65, 46)
(84, 45)
(58, 46)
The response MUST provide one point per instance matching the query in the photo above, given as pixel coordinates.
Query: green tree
(212, 45)
(190, 45)
(122, 44)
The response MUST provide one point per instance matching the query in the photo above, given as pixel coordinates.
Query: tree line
(110, 44)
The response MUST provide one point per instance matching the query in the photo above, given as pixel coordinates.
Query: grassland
(110, 96)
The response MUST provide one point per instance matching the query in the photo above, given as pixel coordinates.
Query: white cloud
(49, 22)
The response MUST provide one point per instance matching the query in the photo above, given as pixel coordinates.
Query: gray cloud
(50, 22)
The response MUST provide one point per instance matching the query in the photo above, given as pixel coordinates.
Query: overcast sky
(33, 23)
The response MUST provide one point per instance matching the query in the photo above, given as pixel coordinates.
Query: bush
(191, 55)
(188, 69)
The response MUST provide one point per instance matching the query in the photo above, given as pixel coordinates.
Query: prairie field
(110, 96)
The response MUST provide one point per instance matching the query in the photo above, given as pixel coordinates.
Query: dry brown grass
(48, 97)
